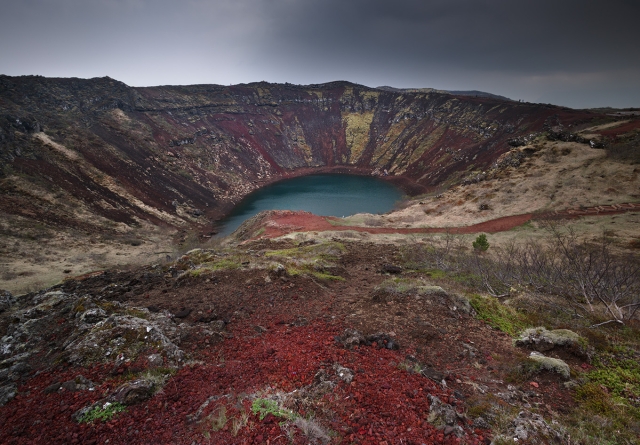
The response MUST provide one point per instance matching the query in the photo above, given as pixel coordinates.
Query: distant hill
(479, 94)
(433, 90)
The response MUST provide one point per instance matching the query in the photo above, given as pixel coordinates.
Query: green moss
(102, 412)
(223, 264)
(262, 407)
(436, 273)
(327, 251)
(619, 373)
(594, 398)
(498, 315)
(326, 276)
(316, 260)
(258, 232)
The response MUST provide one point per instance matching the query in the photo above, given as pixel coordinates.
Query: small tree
(481, 244)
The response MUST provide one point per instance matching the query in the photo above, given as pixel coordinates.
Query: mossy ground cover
(317, 260)
(498, 315)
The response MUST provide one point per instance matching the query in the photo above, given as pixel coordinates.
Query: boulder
(383, 340)
(551, 364)
(444, 416)
(133, 392)
(351, 338)
(126, 336)
(540, 339)
(391, 269)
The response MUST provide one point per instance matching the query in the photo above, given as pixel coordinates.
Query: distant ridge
(433, 90)
(479, 94)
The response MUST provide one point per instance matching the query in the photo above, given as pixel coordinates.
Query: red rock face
(165, 154)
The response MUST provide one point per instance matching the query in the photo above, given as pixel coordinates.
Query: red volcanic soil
(624, 128)
(281, 338)
(280, 223)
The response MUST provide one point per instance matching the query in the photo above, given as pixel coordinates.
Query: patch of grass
(316, 260)
(619, 373)
(218, 418)
(523, 371)
(103, 412)
(326, 251)
(237, 423)
(295, 271)
(136, 313)
(158, 376)
(185, 174)
(263, 407)
(410, 366)
(200, 261)
(498, 315)
(436, 274)
(326, 276)
(603, 418)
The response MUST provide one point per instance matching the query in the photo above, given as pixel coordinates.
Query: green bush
(481, 244)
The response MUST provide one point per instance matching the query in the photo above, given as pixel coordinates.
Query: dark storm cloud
(578, 53)
(516, 35)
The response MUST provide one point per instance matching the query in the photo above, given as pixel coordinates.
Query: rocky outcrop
(56, 326)
(6, 300)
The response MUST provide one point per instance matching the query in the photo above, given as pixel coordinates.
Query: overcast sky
(579, 53)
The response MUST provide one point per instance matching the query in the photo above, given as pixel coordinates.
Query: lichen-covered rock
(6, 300)
(79, 383)
(551, 364)
(444, 416)
(382, 340)
(440, 413)
(351, 338)
(125, 336)
(93, 315)
(44, 303)
(7, 393)
(460, 304)
(345, 374)
(532, 427)
(133, 392)
(540, 339)
(155, 360)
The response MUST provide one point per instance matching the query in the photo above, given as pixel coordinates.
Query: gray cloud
(576, 53)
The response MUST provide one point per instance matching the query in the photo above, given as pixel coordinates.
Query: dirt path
(284, 222)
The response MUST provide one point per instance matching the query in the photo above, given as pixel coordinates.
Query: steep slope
(96, 161)
(130, 153)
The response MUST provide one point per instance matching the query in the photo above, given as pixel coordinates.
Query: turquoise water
(326, 195)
